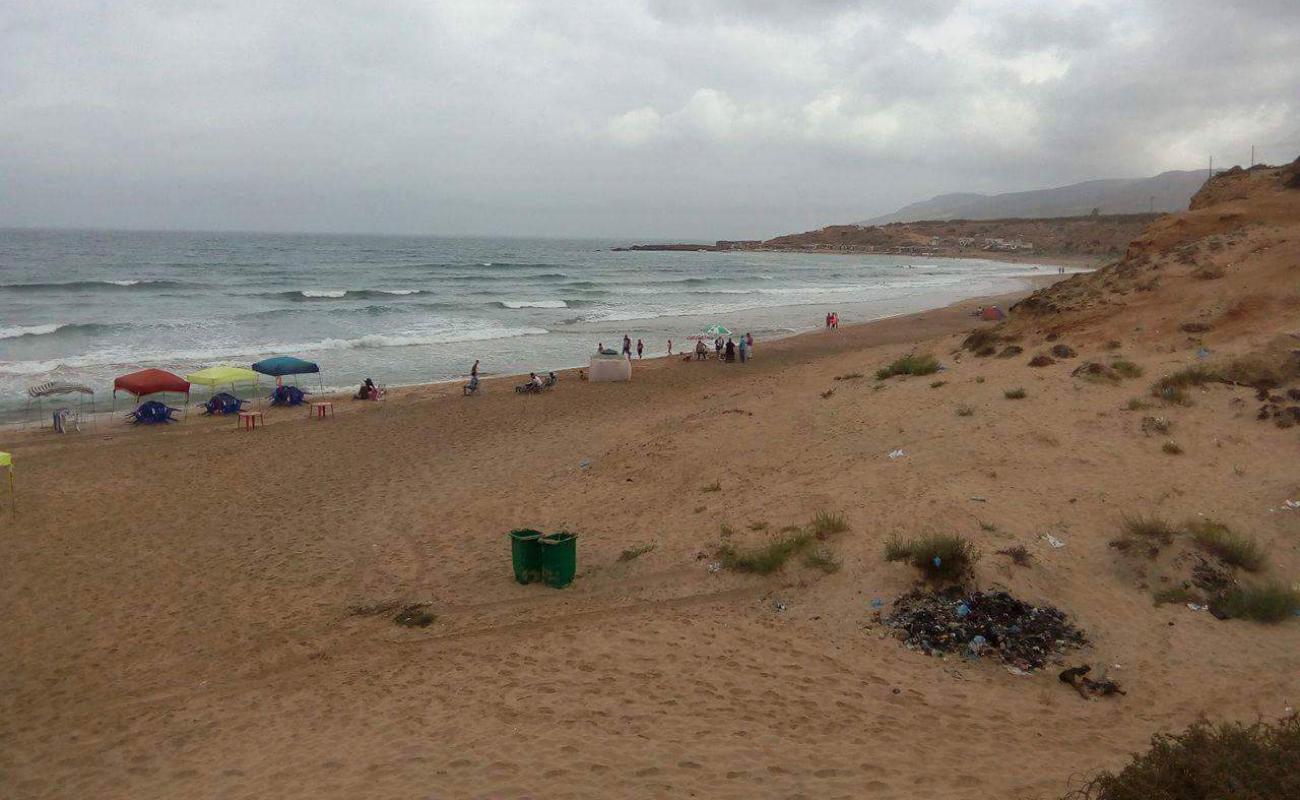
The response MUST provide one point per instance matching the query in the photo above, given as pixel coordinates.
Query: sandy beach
(202, 612)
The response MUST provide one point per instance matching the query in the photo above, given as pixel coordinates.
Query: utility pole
(1210, 174)
(1252, 155)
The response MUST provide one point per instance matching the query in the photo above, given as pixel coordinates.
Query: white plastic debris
(1053, 541)
(1196, 607)
(714, 567)
(1291, 505)
(896, 454)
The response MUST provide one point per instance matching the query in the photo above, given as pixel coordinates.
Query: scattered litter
(584, 464)
(1196, 607)
(1053, 541)
(980, 499)
(1017, 671)
(962, 609)
(1203, 353)
(1291, 505)
(1087, 687)
(876, 602)
(777, 605)
(995, 624)
(714, 567)
(896, 454)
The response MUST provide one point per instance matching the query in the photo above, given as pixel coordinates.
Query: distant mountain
(1171, 192)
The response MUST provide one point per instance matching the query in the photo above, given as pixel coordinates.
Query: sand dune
(181, 604)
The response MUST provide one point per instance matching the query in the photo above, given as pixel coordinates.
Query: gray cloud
(721, 118)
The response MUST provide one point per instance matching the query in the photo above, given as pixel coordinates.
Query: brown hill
(1100, 236)
(1224, 275)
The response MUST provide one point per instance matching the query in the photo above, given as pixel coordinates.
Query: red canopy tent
(992, 314)
(151, 381)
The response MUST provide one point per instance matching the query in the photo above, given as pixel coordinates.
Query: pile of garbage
(977, 624)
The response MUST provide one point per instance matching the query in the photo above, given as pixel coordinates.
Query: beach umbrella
(713, 331)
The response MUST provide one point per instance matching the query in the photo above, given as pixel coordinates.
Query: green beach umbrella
(715, 330)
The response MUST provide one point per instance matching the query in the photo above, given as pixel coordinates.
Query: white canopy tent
(41, 397)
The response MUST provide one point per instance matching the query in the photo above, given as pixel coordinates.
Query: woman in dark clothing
(731, 350)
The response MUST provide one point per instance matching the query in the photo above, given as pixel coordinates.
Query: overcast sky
(642, 119)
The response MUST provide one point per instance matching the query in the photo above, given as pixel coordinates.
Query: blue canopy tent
(280, 366)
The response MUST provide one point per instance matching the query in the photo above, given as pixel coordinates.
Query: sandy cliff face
(1224, 275)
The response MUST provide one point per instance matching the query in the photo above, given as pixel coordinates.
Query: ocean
(86, 306)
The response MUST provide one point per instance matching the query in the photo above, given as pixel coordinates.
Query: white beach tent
(38, 395)
(605, 367)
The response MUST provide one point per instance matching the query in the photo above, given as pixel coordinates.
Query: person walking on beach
(473, 371)
(743, 349)
(640, 348)
(627, 347)
(731, 350)
(670, 347)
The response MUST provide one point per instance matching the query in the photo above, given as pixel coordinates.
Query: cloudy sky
(641, 119)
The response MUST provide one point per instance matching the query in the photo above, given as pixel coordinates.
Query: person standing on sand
(731, 350)
(828, 320)
(627, 347)
(743, 349)
(670, 347)
(749, 343)
(717, 347)
(640, 348)
(473, 371)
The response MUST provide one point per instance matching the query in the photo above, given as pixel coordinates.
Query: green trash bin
(559, 558)
(526, 554)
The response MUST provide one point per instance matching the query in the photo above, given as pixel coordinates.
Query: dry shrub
(909, 365)
(941, 557)
(1231, 547)
(1260, 761)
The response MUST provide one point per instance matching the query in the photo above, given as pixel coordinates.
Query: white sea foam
(331, 293)
(129, 357)
(15, 331)
(534, 304)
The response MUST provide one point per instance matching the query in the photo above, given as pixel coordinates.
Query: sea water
(86, 306)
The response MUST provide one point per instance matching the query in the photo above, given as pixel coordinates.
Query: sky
(644, 119)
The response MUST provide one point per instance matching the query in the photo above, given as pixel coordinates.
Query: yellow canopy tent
(222, 376)
(7, 462)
